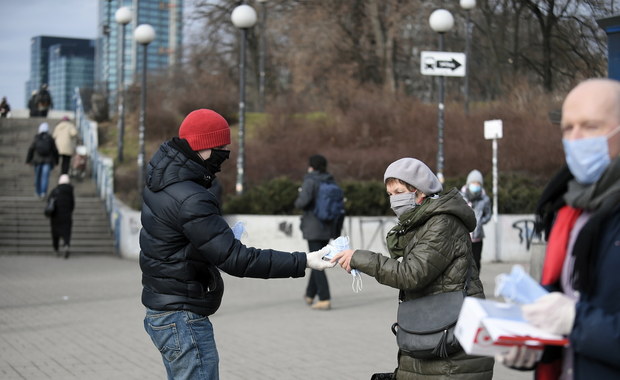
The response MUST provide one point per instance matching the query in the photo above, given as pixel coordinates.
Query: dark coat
(595, 337)
(184, 240)
(311, 227)
(35, 158)
(62, 220)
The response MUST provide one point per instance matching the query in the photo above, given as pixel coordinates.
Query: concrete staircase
(23, 227)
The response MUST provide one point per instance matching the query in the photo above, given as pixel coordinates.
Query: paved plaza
(82, 319)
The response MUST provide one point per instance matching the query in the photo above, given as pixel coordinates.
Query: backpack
(329, 202)
(43, 145)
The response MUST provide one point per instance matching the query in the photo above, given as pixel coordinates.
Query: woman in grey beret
(429, 253)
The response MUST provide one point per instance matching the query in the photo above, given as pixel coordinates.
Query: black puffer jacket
(184, 240)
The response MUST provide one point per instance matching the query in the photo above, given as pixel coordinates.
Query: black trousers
(476, 248)
(64, 166)
(63, 232)
(317, 284)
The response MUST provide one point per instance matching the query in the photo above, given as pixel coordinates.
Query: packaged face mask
(518, 286)
(238, 230)
(338, 245)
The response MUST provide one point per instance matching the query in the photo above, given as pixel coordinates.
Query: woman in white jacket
(65, 135)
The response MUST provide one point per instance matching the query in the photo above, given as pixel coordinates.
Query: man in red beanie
(184, 243)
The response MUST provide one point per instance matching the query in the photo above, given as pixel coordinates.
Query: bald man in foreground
(580, 214)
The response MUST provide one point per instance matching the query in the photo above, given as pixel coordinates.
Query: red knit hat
(205, 129)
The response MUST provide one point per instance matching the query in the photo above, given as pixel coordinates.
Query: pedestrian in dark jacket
(185, 243)
(479, 201)
(579, 212)
(5, 107)
(61, 220)
(430, 253)
(43, 155)
(314, 230)
(43, 101)
(32, 104)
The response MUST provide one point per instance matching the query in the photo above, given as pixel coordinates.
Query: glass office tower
(165, 16)
(73, 56)
(70, 66)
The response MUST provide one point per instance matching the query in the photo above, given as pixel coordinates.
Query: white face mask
(403, 202)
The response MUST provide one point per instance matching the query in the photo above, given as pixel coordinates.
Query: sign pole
(495, 199)
(493, 131)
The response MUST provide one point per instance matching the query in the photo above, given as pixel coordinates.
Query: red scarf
(552, 270)
(558, 244)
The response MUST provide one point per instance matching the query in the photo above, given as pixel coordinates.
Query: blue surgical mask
(474, 188)
(588, 158)
(403, 202)
(518, 286)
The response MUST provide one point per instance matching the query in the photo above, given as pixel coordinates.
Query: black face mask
(214, 162)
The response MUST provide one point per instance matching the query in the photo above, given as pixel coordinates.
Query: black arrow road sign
(452, 64)
(443, 63)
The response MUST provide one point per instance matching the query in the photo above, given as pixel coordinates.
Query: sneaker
(308, 300)
(66, 251)
(322, 305)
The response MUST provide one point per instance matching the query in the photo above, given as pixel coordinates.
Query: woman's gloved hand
(314, 260)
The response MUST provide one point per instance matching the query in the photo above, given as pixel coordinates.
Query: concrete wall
(282, 232)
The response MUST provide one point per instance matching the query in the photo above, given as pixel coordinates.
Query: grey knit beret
(415, 173)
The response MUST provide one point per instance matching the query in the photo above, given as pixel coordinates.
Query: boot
(322, 305)
(383, 376)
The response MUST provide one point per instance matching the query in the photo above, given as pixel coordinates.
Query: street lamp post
(243, 17)
(144, 35)
(106, 61)
(261, 55)
(441, 21)
(122, 17)
(467, 5)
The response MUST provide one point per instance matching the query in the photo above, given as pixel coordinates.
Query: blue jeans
(186, 343)
(41, 178)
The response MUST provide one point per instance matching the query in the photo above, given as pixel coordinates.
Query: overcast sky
(22, 20)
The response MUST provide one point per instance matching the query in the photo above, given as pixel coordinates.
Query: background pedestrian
(314, 230)
(32, 104)
(43, 155)
(43, 101)
(5, 108)
(477, 198)
(61, 220)
(65, 136)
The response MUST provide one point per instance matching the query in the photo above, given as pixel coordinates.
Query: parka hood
(170, 165)
(451, 203)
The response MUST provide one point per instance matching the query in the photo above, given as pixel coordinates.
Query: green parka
(434, 243)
